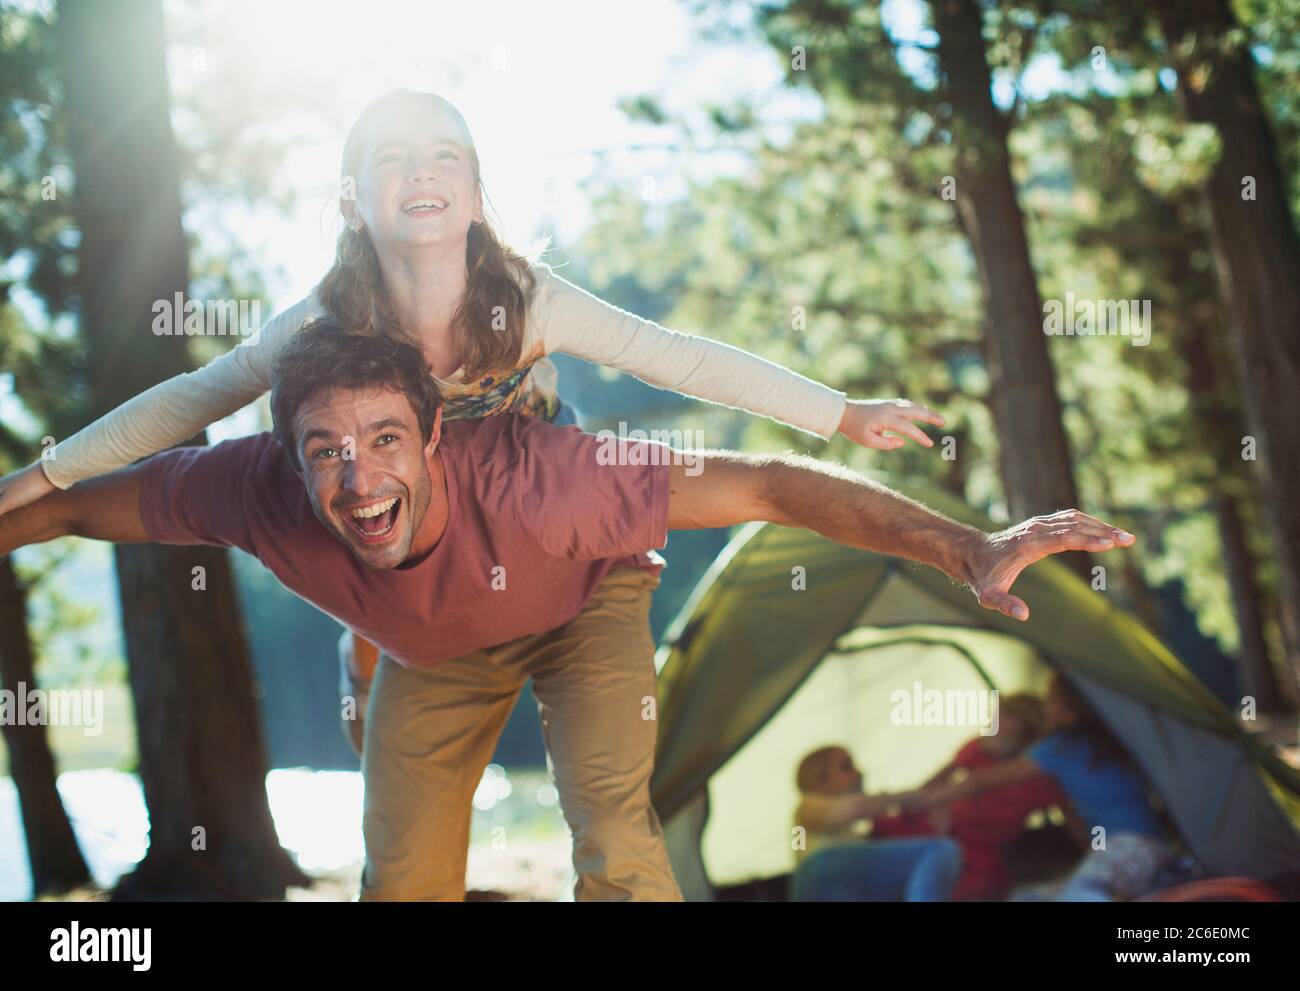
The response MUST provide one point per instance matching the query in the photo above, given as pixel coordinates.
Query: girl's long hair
(485, 338)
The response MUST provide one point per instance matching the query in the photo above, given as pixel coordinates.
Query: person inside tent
(984, 823)
(1128, 844)
(836, 862)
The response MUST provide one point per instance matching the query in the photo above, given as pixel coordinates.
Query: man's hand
(865, 422)
(996, 564)
(23, 487)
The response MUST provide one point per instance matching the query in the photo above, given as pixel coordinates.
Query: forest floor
(528, 871)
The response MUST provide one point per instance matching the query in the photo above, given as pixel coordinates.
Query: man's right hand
(23, 487)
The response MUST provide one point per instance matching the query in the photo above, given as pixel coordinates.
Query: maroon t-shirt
(523, 495)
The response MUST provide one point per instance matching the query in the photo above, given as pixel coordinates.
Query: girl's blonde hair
(814, 768)
(353, 289)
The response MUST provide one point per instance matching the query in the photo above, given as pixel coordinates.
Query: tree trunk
(1035, 455)
(202, 758)
(1258, 679)
(56, 861)
(1257, 255)
(1217, 420)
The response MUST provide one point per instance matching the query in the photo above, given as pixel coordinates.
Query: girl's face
(841, 774)
(415, 183)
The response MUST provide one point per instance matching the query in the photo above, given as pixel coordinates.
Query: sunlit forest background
(823, 183)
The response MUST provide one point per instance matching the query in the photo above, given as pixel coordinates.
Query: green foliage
(844, 223)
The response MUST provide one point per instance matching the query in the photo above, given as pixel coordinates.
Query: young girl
(1106, 790)
(836, 860)
(419, 259)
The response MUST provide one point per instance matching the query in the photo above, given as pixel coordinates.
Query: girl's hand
(866, 420)
(910, 802)
(23, 487)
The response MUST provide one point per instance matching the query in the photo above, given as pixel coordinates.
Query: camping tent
(791, 641)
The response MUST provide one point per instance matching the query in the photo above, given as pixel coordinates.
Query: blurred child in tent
(836, 862)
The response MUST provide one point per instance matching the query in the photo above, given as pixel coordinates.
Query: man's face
(366, 469)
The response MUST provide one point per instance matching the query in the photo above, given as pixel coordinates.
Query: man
(478, 553)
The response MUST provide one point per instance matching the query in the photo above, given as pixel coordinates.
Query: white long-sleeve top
(561, 318)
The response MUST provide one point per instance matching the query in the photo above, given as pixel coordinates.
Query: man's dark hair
(324, 355)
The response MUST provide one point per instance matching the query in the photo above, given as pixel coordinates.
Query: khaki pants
(430, 732)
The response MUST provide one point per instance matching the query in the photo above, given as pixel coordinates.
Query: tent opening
(902, 701)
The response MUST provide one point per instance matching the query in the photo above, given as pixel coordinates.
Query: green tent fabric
(791, 641)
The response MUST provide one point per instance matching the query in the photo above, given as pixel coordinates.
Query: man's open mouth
(374, 522)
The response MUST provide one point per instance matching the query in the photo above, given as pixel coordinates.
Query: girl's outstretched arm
(982, 779)
(573, 321)
(834, 812)
(160, 417)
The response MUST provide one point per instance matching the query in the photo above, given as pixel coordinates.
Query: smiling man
(480, 553)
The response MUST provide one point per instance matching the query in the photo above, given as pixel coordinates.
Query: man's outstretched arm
(105, 508)
(843, 506)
